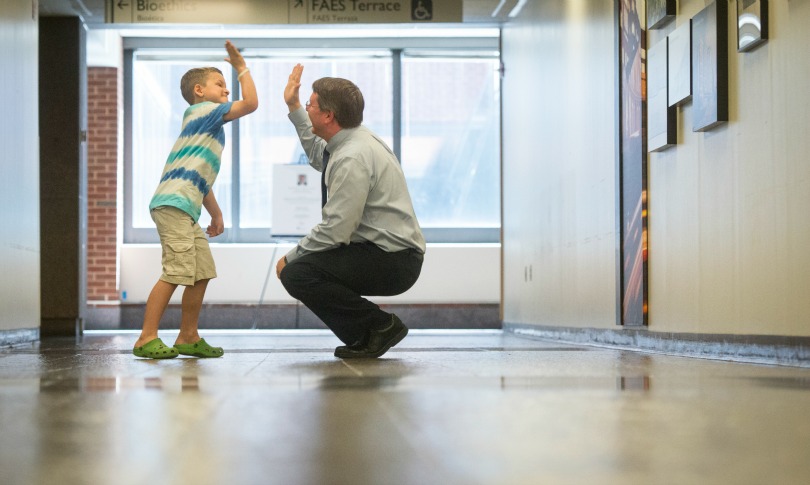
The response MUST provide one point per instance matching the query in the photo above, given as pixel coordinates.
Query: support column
(63, 174)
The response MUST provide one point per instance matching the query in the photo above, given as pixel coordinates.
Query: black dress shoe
(348, 351)
(379, 341)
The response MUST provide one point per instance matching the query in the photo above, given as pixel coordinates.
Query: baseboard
(758, 349)
(20, 336)
(286, 316)
(61, 327)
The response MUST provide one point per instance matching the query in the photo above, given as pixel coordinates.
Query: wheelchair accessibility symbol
(421, 9)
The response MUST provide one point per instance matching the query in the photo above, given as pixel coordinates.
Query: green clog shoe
(200, 349)
(155, 349)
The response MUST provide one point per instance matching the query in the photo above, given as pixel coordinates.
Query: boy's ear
(198, 90)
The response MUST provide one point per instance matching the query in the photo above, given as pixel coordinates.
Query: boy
(185, 186)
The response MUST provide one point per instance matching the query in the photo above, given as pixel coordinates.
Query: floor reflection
(182, 383)
(120, 384)
(455, 409)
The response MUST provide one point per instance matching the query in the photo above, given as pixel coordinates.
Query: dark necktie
(323, 178)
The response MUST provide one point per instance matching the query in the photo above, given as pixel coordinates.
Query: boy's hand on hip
(216, 227)
(214, 231)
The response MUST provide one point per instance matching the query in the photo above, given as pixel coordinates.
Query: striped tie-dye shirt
(193, 163)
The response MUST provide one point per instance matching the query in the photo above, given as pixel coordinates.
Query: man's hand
(291, 96)
(280, 265)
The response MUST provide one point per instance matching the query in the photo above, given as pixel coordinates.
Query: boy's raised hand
(250, 99)
(234, 58)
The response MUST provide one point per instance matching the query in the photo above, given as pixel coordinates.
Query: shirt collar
(339, 137)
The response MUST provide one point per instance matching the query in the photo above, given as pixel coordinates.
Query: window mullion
(396, 69)
(236, 183)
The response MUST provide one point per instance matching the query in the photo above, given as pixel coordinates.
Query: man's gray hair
(343, 98)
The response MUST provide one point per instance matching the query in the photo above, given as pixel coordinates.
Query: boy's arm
(250, 100)
(217, 226)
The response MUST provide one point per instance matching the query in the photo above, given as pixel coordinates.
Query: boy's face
(214, 90)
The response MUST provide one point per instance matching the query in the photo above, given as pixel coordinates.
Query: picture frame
(661, 117)
(679, 61)
(710, 66)
(752, 24)
(660, 13)
(631, 165)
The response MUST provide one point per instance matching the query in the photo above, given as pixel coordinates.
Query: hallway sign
(276, 12)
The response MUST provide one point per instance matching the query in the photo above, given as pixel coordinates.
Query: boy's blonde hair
(193, 77)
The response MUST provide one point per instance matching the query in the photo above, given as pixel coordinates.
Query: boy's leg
(191, 306)
(188, 340)
(174, 228)
(155, 306)
(204, 271)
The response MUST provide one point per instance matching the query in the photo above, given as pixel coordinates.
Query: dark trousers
(330, 283)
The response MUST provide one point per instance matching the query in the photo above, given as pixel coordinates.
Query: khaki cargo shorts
(187, 257)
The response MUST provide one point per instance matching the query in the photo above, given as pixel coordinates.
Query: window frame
(459, 45)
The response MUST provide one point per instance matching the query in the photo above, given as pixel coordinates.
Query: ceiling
(476, 12)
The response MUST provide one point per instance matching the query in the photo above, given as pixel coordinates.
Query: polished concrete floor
(460, 407)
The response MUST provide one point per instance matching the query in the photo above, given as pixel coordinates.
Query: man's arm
(313, 145)
(250, 100)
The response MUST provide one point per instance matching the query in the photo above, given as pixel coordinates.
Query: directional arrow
(121, 4)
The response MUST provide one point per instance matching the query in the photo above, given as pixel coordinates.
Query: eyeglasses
(310, 105)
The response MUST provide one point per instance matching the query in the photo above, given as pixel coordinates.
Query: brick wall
(103, 101)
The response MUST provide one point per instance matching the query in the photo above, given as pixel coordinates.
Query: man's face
(316, 116)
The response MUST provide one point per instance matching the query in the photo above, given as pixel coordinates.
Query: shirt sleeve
(312, 144)
(220, 111)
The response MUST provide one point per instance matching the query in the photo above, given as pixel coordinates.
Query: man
(369, 241)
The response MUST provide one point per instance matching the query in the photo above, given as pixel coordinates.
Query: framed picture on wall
(660, 13)
(679, 58)
(710, 66)
(631, 166)
(661, 118)
(752, 23)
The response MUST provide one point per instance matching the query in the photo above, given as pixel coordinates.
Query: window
(450, 136)
(267, 137)
(439, 110)
(157, 114)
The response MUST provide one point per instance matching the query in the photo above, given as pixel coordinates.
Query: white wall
(728, 209)
(729, 225)
(452, 273)
(559, 165)
(19, 166)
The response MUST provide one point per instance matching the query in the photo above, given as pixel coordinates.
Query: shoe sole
(201, 355)
(153, 357)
